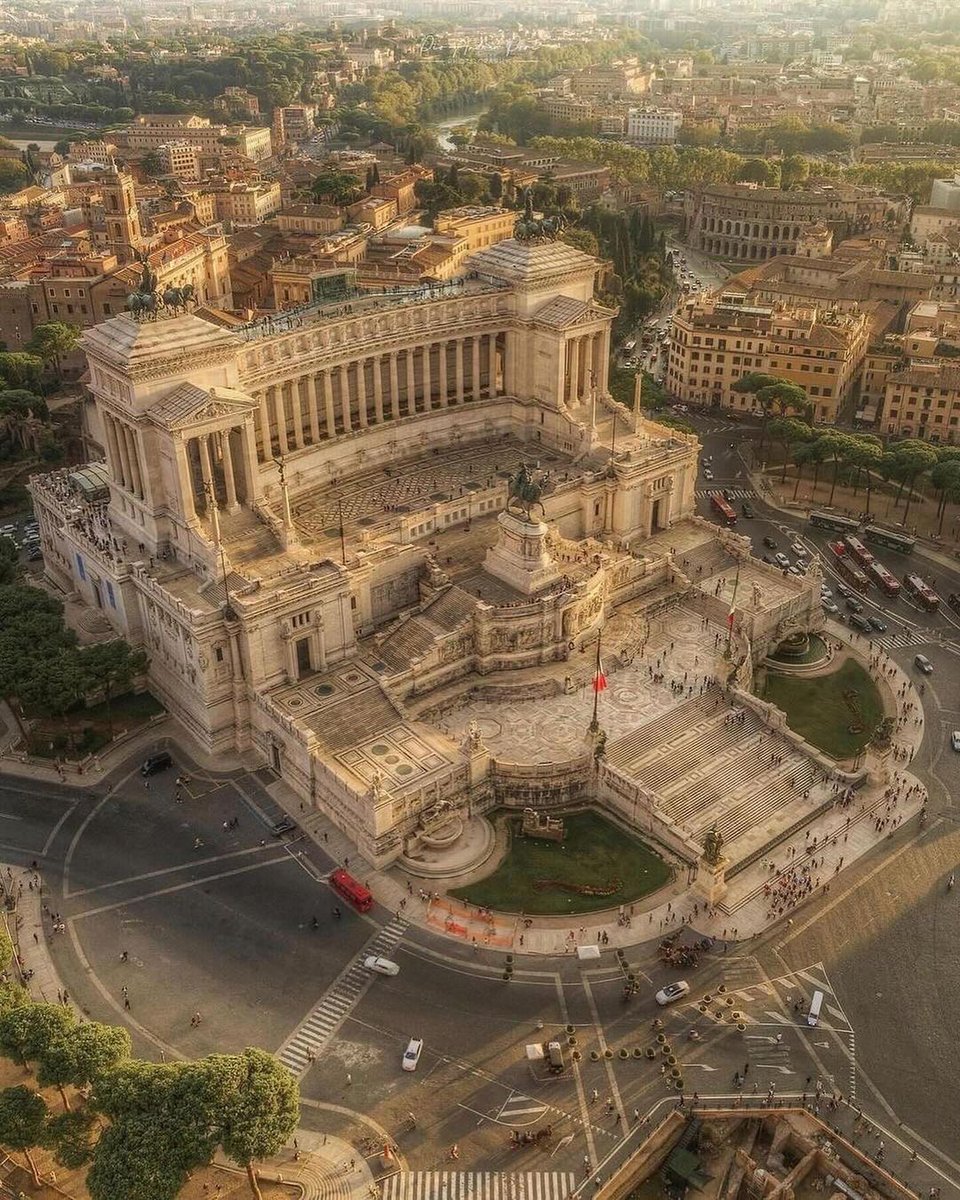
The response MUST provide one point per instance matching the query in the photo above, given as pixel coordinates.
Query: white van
(382, 966)
(813, 1016)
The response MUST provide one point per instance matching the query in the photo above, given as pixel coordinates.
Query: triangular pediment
(563, 312)
(188, 405)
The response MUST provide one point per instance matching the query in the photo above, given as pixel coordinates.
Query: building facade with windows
(713, 344)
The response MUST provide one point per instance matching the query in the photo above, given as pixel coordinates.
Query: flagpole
(595, 723)
(736, 584)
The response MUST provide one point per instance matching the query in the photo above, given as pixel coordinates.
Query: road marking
(702, 1066)
(469, 1185)
(776, 1067)
(337, 1003)
(518, 1105)
(193, 862)
(9, 817)
(177, 887)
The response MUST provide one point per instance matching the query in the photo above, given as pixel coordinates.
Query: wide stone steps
(451, 609)
(364, 715)
(770, 794)
(633, 746)
(696, 747)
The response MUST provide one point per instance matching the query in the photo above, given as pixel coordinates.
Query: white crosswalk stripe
(908, 637)
(736, 493)
(518, 1105)
(471, 1185)
(340, 999)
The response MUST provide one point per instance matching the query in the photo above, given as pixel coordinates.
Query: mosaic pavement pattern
(553, 729)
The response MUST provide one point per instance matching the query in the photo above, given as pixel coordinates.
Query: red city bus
(722, 506)
(884, 580)
(859, 551)
(350, 889)
(924, 595)
(848, 568)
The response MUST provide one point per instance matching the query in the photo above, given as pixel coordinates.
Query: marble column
(251, 471)
(427, 378)
(394, 386)
(588, 346)
(328, 411)
(229, 482)
(124, 457)
(206, 470)
(377, 362)
(280, 412)
(411, 384)
(296, 401)
(458, 359)
(475, 379)
(313, 408)
(134, 445)
(113, 445)
(573, 370)
(444, 382)
(185, 479)
(265, 441)
(361, 370)
(345, 398)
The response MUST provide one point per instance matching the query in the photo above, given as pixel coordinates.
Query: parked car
(770, 543)
(285, 825)
(843, 590)
(854, 604)
(673, 991)
(707, 473)
(799, 549)
(829, 606)
(955, 740)
(411, 1056)
(860, 622)
(782, 561)
(768, 559)
(156, 762)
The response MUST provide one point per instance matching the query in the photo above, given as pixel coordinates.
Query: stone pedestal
(711, 880)
(520, 556)
(879, 765)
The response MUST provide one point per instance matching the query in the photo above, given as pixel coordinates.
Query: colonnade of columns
(222, 477)
(584, 365)
(123, 447)
(370, 391)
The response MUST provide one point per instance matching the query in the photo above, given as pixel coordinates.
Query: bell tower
(121, 214)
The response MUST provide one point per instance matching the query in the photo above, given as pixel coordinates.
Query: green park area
(837, 712)
(596, 866)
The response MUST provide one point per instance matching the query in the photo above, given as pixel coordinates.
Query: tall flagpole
(595, 723)
(736, 584)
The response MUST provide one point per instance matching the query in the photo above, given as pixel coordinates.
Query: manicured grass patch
(817, 709)
(90, 728)
(594, 853)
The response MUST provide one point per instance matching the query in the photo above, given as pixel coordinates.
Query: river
(466, 119)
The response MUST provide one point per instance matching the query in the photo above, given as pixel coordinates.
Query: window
(81, 569)
(110, 595)
(218, 654)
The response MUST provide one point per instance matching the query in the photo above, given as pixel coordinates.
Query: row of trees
(142, 1126)
(861, 459)
(43, 671)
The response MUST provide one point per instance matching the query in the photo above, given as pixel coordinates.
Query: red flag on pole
(730, 616)
(599, 680)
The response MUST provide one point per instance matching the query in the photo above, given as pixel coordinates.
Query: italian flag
(600, 679)
(730, 615)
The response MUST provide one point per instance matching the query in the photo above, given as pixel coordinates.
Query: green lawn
(594, 852)
(817, 710)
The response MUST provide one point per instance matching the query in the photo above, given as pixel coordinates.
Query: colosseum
(739, 221)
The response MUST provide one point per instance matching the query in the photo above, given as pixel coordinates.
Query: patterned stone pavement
(553, 729)
(418, 484)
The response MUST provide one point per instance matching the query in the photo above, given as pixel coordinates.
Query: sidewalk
(321, 1166)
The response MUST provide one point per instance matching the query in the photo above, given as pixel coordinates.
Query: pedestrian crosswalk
(518, 1105)
(478, 1185)
(906, 637)
(736, 493)
(337, 1003)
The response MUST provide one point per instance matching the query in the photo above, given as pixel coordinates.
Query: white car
(828, 605)
(955, 740)
(799, 549)
(411, 1056)
(673, 991)
(782, 561)
(382, 966)
(707, 473)
(825, 593)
